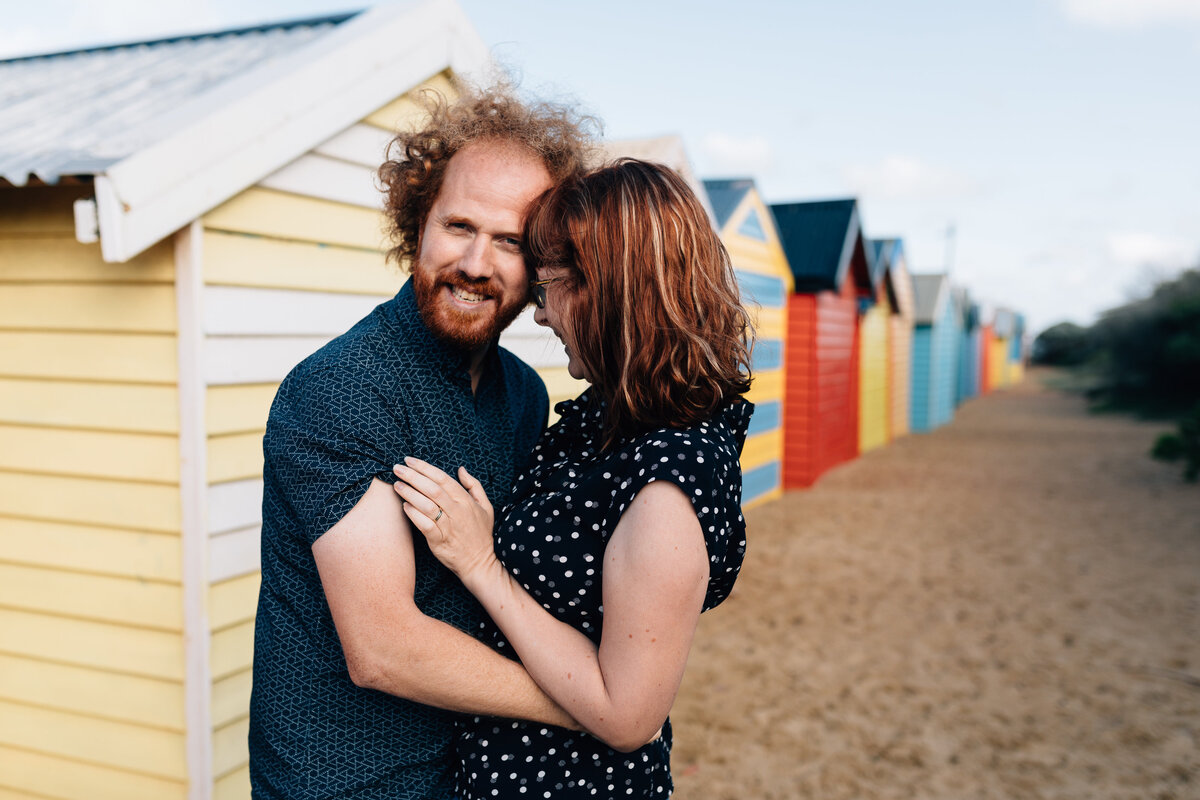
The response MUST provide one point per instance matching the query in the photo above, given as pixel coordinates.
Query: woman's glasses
(538, 290)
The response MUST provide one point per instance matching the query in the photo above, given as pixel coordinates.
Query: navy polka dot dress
(551, 537)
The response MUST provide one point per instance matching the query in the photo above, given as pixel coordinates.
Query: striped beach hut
(935, 352)
(748, 231)
(968, 347)
(181, 221)
(827, 256)
(877, 306)
(900, 333)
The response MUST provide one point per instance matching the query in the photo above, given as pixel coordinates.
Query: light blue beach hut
(970, 340)
(935, 353)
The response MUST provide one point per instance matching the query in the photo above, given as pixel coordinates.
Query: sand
(1008, 607)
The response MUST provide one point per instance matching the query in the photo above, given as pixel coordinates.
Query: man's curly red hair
(416, 160)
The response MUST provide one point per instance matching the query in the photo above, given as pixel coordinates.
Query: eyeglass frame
(537, 290)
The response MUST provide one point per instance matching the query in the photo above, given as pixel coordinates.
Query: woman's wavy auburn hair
(654, 310)
(416, 160)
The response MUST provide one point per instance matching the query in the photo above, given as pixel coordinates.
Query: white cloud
(903, 177)
(1131, 13)
(1138, 249)
(728, 154)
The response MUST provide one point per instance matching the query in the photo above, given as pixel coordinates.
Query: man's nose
(477, 261)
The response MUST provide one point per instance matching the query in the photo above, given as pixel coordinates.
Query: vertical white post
(193, 486)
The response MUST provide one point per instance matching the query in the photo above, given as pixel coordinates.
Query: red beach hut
(826, 253)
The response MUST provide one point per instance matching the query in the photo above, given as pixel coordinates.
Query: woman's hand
(455, 519)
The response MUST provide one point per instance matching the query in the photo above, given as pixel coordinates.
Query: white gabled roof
(173, 128)
(930, 295)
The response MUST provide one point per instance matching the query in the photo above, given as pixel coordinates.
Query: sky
(1045, 152)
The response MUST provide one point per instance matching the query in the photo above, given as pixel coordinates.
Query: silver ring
(439, 516)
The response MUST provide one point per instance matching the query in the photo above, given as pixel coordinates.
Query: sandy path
(1006, 608)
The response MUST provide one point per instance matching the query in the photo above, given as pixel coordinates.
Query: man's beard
(470, 332)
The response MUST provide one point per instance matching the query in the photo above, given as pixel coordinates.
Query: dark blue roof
(726, 195)
(818, 240)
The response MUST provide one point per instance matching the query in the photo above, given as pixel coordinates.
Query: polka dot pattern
(552, 537)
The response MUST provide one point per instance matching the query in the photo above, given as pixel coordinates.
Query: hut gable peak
(930, 295)
(178, 126)
(823, 243)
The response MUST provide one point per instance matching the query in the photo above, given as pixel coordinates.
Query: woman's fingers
(417, 499)
(474, 488)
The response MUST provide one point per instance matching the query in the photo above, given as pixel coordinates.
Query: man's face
(469, 275)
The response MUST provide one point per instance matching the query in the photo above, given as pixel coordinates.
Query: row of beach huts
(181, 222)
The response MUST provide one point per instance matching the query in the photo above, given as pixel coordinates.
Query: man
(360, 651)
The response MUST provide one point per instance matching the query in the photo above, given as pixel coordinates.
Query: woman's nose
(539, 316)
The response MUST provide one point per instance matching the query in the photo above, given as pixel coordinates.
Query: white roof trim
(273, 115)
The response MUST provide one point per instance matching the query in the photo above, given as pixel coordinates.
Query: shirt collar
(453, 361)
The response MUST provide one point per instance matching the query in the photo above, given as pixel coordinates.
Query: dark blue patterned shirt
(385, 389)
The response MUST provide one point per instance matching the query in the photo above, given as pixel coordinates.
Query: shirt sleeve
(329, 434)
(707, 471)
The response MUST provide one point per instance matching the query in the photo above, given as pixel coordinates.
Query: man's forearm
(439, 665)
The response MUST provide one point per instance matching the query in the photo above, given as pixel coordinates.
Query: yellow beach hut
(181, 221)
(874, 393)
(1004, 325)
(748, 231)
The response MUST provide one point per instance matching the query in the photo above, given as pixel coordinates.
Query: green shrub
(1183, 446)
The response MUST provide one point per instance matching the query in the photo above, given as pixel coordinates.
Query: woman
(626, 525)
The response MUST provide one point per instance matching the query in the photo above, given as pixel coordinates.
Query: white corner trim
(273, 115)
(193, 486)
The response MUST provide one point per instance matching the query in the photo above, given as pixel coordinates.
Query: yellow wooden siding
(98, 645)
(107, 357)
(91, 645)
(240, 260)
(232, 649)
(762, 448)
(405, 111)
(90, 405)
(233, 601)
(235, 456)
(231, 697)
(94, 741)
(152, 457)
(873, 387)
(769, 323)
(238, 409)
(234, 786)
(101, 598)
(84, 548)
(230, 747)
(89, 307)
(280, 215)
(116, 504)
(33, 774)
(58, 258)
(766, 386)
(1015, 372)
(110, 695)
